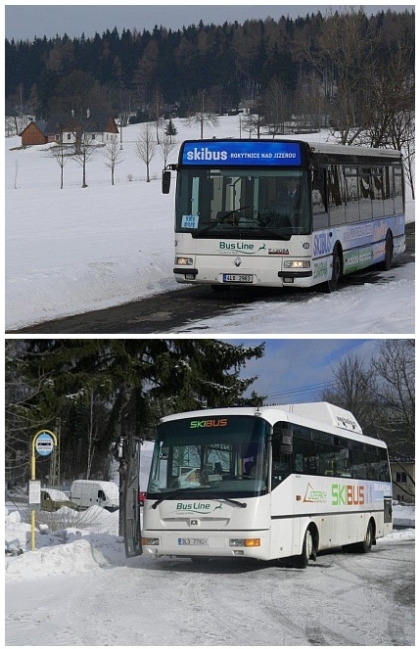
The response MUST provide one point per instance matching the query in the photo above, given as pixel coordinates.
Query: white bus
(284, 213)
(265, 483)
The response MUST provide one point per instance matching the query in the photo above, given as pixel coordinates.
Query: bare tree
(60, 153)
(167, 145)
(113, 156)
(85, 147)
(395, 369)
(277, 103)
(343, 59)
(16, 172)
(145, 147)
(202, 116)
(252, 123)
(155, 111)
(309, 100)
(354, 389)
(380, 393)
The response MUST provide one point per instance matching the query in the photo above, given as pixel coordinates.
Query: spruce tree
(132, 383)
(170, 129)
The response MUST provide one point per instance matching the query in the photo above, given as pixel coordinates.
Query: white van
(86, 493)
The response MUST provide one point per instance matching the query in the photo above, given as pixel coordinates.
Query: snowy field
(72, 250)
(78, 588)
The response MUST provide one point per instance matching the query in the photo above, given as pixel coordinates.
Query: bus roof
(328, 148)
(329, 417)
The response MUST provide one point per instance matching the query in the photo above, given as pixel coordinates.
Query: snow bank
(47, 562)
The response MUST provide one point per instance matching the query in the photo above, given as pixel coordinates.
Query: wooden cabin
(34, 133)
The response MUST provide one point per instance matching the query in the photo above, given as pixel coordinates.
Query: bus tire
(337, 268)
(389, 252)
(308, 550)
(364, 546)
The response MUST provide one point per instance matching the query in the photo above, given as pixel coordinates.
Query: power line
(296, 391)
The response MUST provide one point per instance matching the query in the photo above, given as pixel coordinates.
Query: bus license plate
(192, 541)
(243, 279)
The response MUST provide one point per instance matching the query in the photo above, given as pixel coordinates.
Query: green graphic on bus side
(347, 494)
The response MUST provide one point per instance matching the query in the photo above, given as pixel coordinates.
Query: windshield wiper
(176, 493)
(168, 495)
(237, 503)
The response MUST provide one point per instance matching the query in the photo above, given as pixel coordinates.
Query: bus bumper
(246, 277)
(251, 544)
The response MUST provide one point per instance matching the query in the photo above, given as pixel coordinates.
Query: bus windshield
(251, 202)
(223, 457)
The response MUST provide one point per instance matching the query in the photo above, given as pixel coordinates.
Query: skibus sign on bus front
(242, 152)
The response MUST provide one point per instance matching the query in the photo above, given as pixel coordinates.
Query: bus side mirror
(166, 182)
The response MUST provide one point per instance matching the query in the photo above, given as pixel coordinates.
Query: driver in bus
(288, 202)
(289, 196)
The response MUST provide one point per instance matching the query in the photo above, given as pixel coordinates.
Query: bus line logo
(314, 495)
(202, 508)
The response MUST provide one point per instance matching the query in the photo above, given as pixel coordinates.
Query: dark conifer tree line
(94, 391)
(230, 62)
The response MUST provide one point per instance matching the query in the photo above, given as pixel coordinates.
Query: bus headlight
(244, 543)
(297, 263)
(184, 261)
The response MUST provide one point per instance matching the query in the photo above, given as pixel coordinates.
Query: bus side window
(335, 195)
(281, 462)
(378, 192)
(319, 200)
(398, 191)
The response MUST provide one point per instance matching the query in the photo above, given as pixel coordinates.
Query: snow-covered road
(343, 599)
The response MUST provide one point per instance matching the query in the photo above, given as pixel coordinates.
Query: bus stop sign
(44, 444)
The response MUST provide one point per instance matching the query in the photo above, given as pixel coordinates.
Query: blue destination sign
(244, 152)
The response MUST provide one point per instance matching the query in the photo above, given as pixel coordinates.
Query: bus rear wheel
(365, 545)
(389, 252)
(337, 268)
(308, 551)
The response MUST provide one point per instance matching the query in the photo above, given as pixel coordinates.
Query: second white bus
(264, 483)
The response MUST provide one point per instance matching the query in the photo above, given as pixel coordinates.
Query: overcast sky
(298, 370)
(29, 21)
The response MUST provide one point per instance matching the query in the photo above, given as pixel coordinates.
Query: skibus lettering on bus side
(348, 494)
(322, 244)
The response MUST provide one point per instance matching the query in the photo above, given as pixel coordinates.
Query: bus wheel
(365, 545)
(308, 551)
(389, 252)
(332, 284)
